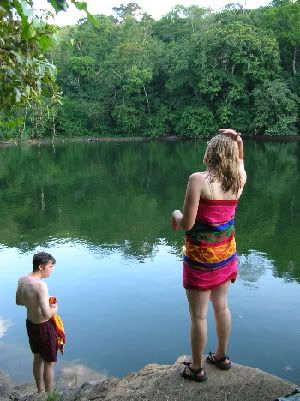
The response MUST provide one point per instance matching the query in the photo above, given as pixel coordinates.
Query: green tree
(275, 108)
(25, 35)
(283, 18)
(127, 74)
(27, 77)
(25, 74)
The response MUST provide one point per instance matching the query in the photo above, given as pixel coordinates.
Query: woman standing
(210, 258)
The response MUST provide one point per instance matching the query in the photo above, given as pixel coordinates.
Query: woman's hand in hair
(236, 136)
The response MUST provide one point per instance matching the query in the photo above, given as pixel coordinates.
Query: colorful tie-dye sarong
(210, 257)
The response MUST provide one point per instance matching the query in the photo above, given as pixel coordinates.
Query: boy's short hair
(41, 258)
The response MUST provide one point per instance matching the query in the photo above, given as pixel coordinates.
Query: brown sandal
(194, 373)
(219, 363)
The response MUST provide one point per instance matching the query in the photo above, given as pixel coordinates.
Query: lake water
(103, 211)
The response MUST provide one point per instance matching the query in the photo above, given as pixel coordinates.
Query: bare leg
(49, 375)
(198, 304)
(223, 318)
(38, 369)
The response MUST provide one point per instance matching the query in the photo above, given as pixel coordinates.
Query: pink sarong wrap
(210, 257)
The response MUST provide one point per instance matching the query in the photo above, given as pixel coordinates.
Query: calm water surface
(103, 211)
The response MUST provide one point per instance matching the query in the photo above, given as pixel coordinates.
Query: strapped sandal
(194, 373)
(219, 363)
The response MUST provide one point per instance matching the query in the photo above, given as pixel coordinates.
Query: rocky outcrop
(164, 383)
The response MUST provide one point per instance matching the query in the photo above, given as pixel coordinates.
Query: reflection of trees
(140, 249)
(268, 217)
(120, 195)
(101, 193)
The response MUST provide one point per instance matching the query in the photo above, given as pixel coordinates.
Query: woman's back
(211, 189)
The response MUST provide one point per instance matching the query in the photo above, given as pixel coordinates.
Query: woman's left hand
(236, 136)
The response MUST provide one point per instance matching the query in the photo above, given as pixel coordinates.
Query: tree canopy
(127, 74)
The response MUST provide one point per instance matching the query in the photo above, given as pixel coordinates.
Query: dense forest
(127, 74)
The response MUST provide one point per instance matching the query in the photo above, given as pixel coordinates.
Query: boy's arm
(43, 295)
(18, 296)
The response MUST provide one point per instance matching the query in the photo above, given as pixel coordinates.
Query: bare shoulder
(197, 177)
(41, 285)
(41, 290)
(38, 286)
(195, 185)
(22, 281)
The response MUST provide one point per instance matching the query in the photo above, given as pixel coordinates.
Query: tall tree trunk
(146, 94)
(193, 28)
(53, 126)
(294, 60)
(24, 124)
(43, 203)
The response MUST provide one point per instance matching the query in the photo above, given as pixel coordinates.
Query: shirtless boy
(32, 292)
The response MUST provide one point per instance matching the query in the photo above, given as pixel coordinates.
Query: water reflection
(103, 211)
(253, 266)
(4, 326)
(75, 374)
(121, 194)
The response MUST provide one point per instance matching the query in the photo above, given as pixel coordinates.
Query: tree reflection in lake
(103, 210)
(121, 194)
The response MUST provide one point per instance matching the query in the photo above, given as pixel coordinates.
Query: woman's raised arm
(235, 136)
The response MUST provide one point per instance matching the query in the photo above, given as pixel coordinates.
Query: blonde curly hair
(222, 163)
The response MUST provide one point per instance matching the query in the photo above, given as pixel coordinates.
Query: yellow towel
(60, 331)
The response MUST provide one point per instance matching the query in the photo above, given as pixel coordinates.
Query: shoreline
(157, 382)
(170, 138)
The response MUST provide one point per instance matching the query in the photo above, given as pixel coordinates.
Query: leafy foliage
(276, 108)
(185, 74)
(27, 77)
